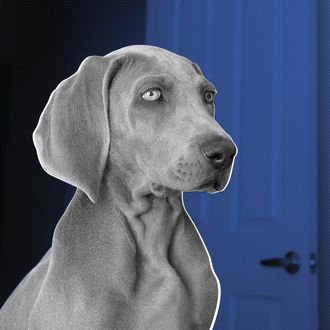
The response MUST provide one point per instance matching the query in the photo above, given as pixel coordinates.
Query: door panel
(261, 55)
(244, 310)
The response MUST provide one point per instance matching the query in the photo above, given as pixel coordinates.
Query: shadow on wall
(42, 44)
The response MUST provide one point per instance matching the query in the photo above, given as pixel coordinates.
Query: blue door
(261, 232)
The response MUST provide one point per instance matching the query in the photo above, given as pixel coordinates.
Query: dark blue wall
(324, 160)
(43, 43)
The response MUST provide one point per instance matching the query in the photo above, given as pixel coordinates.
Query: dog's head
(160, 109)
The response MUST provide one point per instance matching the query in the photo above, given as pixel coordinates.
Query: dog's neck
(152, 212)
(140, 246)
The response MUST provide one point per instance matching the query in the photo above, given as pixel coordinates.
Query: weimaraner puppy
(131, 130)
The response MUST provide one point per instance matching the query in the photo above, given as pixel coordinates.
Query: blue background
(42, 44)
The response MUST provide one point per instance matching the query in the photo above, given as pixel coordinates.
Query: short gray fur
(125, 254)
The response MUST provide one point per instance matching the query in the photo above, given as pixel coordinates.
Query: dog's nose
(220, 152)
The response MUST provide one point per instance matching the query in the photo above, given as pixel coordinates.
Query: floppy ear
(72, 137)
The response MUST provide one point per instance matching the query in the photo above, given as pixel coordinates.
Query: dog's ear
(72, 137)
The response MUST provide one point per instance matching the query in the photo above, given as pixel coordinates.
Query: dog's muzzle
(220, 152)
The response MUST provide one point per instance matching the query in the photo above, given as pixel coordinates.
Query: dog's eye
(209, 96)
(153, 94)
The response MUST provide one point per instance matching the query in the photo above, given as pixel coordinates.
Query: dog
(131, 130)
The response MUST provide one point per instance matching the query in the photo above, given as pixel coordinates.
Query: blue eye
(152, 94)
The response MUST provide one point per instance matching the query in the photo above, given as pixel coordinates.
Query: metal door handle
(291, 262)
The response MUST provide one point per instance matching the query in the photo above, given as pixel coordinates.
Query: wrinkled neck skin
(151, 212)
(136, 254)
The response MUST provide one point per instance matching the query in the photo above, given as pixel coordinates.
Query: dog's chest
(175, 286)
(156, 275)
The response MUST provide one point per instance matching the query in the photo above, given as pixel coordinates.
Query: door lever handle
(290, 262)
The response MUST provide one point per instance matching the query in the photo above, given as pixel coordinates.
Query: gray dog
(131, 130)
